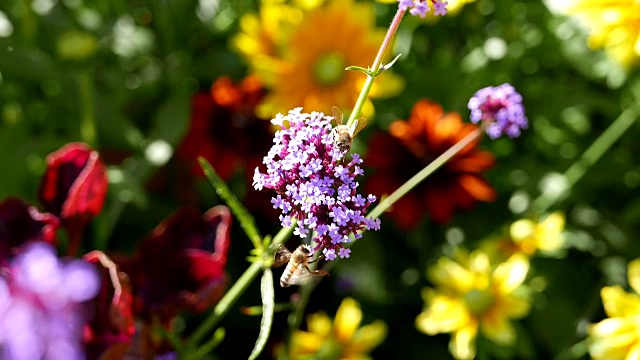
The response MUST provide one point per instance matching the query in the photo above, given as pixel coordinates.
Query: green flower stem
(599, 147)
(87, 110)
(224, 304)
(231, 296)
(387, 202)
(377, 62)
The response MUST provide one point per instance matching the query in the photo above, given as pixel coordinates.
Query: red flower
(411, 145)
(74, 187)
(180, 265)
(112, 328)
(21, 223)
(225, 130)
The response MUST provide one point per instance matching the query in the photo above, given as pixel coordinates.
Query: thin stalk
(233, 294)
(598, 148)
(387, 202)
(377, 62)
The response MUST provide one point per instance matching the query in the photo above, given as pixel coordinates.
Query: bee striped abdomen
(288, 272)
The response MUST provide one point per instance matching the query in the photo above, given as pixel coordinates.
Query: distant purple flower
(421, 7)
(41, 305)
(500, 110)
(314, 183)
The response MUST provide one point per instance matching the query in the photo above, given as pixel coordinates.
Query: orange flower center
(329, 68)
(479, 301)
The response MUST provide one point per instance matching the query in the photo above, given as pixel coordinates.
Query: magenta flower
(500, 111)
(42, 305)
(74, 188)
(21, 223)
(314, 183)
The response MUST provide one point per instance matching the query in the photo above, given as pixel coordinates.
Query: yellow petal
(463, 342)
(366, 338)
(512, 273)
(347, 320)
(319, 323)
(303, 343)
(444, 314)
(619, 303)
(450, 275)
(634, 275)
(496, 326)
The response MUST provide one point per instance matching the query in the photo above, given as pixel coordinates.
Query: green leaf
(246, 220)
(361, 69)
(266, 288)
(207, 347)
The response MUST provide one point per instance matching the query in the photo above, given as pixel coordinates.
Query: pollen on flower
(500, 111)
(421, 7)
(314, 183)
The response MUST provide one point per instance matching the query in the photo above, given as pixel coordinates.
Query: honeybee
(342, 134)
(297, 271)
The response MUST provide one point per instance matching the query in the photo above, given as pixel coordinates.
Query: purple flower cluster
(500, 110)
(41, 305)
(421, 7)
(313, 184)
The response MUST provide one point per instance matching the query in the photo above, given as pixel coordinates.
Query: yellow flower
(302, 56)
(618, 336)
(471, 295)
(614, 25)
(530, 236)
(344, 339)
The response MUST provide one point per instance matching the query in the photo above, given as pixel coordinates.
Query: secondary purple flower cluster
(42, 305)
(421, 7)
(500, 110)
(313, 184)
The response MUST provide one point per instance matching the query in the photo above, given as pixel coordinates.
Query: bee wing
(337, 115)
(302, 275)
(281, 256)
(361, 124)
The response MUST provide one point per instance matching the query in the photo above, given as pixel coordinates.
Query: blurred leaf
(266, 288)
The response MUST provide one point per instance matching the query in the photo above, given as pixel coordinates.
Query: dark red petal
(21, 223)
(113, 321)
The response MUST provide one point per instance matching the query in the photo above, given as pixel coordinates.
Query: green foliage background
(131, 67)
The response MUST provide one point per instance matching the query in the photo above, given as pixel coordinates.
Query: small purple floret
(421, 7)
(314, 183)
(500, 111)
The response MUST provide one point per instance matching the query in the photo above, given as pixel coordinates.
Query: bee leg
(318, 258)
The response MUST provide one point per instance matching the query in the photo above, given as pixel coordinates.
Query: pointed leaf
(244, 218)
(266, 287)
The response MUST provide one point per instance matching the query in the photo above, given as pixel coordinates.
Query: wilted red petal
(21, 223)
(113, 323)
(74, 187)
(180, 265)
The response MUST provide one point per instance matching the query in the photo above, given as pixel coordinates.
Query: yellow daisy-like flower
(471, 295)
(618, 336)
(303, 58)
(614, 25)
(530, 236)
(343, 339)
